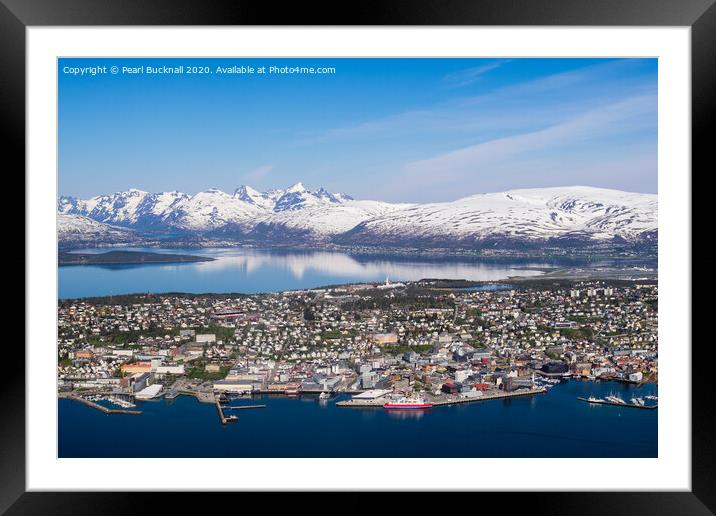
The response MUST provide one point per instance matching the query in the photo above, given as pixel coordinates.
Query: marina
(618, 402)
(99, 407)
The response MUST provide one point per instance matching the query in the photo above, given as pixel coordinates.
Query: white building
(170, 369)
(462, 375)
(636, 377)
(149, 392)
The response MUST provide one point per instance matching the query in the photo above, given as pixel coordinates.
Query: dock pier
(222, 417)
(244, 407)
(220, 410)
(100, 407)
(378, 402)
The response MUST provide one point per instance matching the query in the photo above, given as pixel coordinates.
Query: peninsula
(126, 258)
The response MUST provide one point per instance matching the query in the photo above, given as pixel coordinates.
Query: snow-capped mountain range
(299, 215)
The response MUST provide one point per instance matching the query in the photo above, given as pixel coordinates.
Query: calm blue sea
(255, 270)
(554, 424)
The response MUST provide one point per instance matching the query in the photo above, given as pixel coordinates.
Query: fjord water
(248, 271)
(554, 424)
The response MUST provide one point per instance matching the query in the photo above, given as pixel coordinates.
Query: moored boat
(408, 403)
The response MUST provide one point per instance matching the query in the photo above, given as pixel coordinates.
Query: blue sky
(390, 129)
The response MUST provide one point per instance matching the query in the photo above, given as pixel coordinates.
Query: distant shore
(596, 253)
(126, 258)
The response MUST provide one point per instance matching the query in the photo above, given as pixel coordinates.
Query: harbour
(417, 361)
(532, 425)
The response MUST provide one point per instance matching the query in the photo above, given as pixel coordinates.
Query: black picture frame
(700, 15)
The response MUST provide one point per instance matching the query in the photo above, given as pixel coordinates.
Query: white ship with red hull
(407, 403)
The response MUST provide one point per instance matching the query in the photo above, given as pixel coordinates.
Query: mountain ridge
(299, 215)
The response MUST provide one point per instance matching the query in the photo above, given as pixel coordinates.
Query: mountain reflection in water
(257, 270)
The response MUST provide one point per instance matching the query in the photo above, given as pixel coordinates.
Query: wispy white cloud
(563, 81)
(466, 165)
(470, 75)
(466, 114)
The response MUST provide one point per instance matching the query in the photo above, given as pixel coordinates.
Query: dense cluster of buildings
(399, 337)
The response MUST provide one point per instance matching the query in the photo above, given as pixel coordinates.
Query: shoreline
(460, 285)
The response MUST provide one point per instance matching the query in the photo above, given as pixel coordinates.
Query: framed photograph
(443, 246)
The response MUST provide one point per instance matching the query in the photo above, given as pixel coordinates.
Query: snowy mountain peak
(297, 197)
(246, 193)
(342, 197)
(296, 188)
(133, 192)
(254, 197)
(76, 228)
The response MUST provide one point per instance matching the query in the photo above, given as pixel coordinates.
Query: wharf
(223, 418)
(241, 407)
(625, 405)
(378, 402)
(201, 396)
(99, 407)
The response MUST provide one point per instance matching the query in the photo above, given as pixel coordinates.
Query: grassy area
(399, 350)
(199, 373)
(125, 337)
(577, 334)
(331, 334)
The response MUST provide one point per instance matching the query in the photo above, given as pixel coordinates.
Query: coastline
(66, 259)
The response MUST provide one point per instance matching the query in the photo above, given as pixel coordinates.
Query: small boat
(408, 403)
(324, 395)
(615, 399)
(119, 401)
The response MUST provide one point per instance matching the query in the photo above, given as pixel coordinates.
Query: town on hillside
(440, 341)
